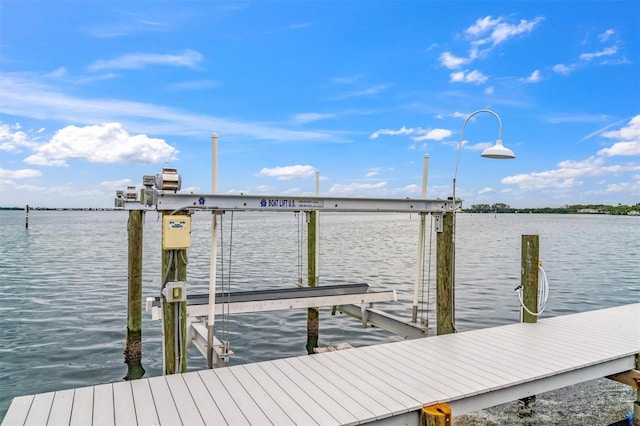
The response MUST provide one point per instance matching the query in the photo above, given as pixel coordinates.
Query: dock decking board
(469, 370)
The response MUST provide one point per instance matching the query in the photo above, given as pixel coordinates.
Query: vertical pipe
(444, 277)
(529, 276)
(420, 256)
(317, 245)
(26, 216)
(214, 253)
(133, 345)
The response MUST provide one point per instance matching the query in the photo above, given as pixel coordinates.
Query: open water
(63, 290)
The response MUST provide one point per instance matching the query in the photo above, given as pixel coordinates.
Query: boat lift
(354, 300)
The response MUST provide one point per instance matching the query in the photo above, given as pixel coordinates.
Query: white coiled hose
(543, 292)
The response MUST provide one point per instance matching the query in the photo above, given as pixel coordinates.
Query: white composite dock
(386, 383)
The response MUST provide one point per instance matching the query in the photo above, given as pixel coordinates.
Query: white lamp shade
(498, 151)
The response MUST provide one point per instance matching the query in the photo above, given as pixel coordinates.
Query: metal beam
(172, 201)
(292, 303)
(198, 337)
(381, 319)
(278, 293)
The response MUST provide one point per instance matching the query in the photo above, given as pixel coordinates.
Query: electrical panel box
(176, 232)
(175, 292)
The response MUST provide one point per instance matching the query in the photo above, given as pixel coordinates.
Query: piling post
(444, 276)
(529, 276)
(133, 345)
(436, 415)
(530, 258)
(174, 314)
(313, 314)
(26, 216)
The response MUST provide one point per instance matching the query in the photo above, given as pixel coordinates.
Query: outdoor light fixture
(497, 151)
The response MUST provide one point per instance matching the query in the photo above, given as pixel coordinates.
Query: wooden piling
(176, 271)
(133, 345)
(529, 276)
(26, 216)
(444, 279)
(313, 314)
(529, 264)
(436, 415)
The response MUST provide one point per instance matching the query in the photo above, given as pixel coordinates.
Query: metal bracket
(364, 314)
(437, 222)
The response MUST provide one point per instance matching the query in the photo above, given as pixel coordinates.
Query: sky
(96, 94)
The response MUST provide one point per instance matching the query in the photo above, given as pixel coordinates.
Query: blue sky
(94, 95)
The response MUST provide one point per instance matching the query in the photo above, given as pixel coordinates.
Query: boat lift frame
(356, 304)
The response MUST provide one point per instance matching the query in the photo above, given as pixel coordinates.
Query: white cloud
(288, 172)
(367, 91)
(451, 61)
(605, 36)
(563, 69)
(422, 134)
(432, 134)
(19, 174)
(189, 58)
(108, 143)
(374, 171)
(308, 117)
(475, 77)
(630, 131)
(629, 145)
(31, 96)
(402, 131)
(411, 189)
(496, 31)
(623, 187)
(482, 25)
(569, 173)
(12, 138)
(354, 188)
(533, 78)
(489, 90)
(42, 160)
(115, 185)
(609, 51)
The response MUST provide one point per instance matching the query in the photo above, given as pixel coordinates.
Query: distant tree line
(568, 209)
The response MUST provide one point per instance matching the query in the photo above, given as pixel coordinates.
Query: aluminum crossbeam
(293, 303)
(173, 202)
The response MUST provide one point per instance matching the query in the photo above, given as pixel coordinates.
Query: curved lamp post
(497, 151)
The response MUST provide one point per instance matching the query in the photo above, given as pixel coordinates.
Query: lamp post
(497, 151)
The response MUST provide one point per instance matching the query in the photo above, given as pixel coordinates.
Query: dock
(384, 384)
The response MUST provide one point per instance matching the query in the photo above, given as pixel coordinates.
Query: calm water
(64, 286)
